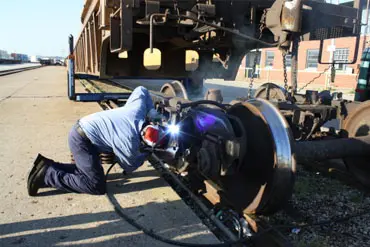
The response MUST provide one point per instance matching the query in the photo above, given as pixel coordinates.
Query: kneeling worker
(115, 131)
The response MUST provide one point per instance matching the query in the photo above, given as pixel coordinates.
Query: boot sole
(39, 165)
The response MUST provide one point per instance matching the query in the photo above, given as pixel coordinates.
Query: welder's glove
(155, 117)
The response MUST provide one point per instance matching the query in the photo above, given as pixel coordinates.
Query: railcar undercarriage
(116, 33)
(242, 155)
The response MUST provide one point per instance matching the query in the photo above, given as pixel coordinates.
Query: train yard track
(18, 70)
(328, 207)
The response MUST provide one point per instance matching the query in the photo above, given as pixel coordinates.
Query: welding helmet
(153, 135)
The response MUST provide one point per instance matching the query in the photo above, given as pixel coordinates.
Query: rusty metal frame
(94, 44)
(87, 50)
(122, 28)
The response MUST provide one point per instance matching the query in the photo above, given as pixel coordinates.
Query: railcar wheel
(358, 124)
(271, 91)
(174, 89)
(266, 179)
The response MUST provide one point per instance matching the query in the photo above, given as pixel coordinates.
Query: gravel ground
(316, 199)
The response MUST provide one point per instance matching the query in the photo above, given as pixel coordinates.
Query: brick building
(270, 63)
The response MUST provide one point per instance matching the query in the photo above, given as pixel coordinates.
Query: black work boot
(37, 174)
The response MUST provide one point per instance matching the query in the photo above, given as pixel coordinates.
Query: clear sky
(39, 27)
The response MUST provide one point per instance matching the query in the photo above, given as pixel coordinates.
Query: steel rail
(18, 70)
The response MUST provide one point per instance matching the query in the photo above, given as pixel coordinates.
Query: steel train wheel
(265, 182)
(175, 89)
(358, 124)
(271, 91)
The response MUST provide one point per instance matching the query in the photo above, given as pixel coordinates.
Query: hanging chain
(262, 23)
(285, 72)
(252, 76)
(262, 26)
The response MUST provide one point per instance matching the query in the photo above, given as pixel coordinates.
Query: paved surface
(230, 89)
(17, 66)
(36, 117)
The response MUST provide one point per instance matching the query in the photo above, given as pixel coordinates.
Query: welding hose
(181, 106)
(118, 209)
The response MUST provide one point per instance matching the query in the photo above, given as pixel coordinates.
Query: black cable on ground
(155, 236)
(202, 102)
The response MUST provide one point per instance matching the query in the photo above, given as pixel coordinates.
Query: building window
(288, 61)
(269, 61)
(341, 56)
(365, 29)
(250, 59)
(312, 59)
(253, 61)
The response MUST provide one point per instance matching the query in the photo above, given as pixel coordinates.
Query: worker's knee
(140, 90)
(100, 191)
(98, 188)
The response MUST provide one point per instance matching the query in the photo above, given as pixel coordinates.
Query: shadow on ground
(119, 183)
(107, 228)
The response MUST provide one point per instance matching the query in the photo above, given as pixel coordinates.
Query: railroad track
(13, 71)
(260, 232)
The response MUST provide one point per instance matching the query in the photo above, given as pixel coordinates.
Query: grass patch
(303, 187)
(351, 91)
(321, 242)
(356, 198)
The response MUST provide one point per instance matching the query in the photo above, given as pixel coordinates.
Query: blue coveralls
(116, 131)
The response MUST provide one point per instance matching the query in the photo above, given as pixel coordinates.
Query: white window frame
(341, 55)
(311, 60)
(288, 61)
(267, 65)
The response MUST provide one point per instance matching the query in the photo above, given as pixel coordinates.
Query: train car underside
(117, 33)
